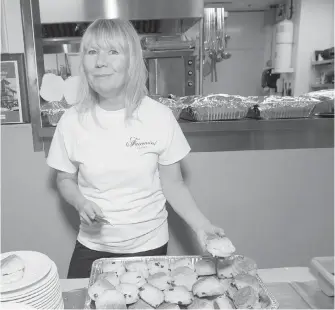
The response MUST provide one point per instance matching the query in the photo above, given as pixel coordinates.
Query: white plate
(40, 296)
(37, 266)
(47, 299)
(33, 290)
(15, 306)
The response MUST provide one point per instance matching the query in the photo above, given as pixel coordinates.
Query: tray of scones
(221, 280)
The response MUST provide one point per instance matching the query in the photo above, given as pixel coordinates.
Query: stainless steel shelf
(320, 86)
(322, 62)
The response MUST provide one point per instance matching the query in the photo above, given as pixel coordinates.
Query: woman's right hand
(88, 210)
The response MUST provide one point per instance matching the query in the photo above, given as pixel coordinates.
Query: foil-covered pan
(97, 270)
(218, 107)
(175, 106)
(275, 107)
(53, 111)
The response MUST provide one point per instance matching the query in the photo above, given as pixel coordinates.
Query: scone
(130, 292)
(115, 266)
(99, 287)
(228, 286)
(168, 306)
(220, 247)
(203, 303)
(243, 264)
(208, 286)
(111, 299)
(245, 298)
(243, 280)
(151, 295)
(183, 262)
(205, 267)
(224, 269)
(140, 304)
(12, 269)
(133, 277)
(138, 266)
(178, 295)
(158, 266)
(161, 280)
(111, 277)
(184, 276)
(223, 302)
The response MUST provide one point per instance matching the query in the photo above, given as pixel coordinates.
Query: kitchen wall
(276, 206)
(314, 30)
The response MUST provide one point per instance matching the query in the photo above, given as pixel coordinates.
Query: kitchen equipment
(97, 269)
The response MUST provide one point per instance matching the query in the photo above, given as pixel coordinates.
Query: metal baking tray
(97, 269)
(286, 112)
(207, 114)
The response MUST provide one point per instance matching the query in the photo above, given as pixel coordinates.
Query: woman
(117, 154)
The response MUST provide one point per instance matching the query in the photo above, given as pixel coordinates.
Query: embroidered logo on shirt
(136, 142)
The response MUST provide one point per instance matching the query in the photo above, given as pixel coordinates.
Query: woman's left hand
(207, 231)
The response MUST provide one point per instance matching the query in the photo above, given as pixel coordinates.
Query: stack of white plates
(39, 287)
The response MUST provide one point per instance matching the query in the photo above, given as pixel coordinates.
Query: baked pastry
(183, 262)
(110, 299)
(243, 280)
(111, 277)
(115, 266)
(203, 303)
(178, 295)
(138, 266)
(160, 280)
(99, 287)
(130, 292)
(220, 246)
(155, 266)
(245, 298)
(205, 267)
(224, 268)
(223, 302)
(12, 269)
(243, 264)
(168, 306)
(151, 295)
(184, 276)
(133, 277)
(228, 286)
(140, 304)
(208, 286)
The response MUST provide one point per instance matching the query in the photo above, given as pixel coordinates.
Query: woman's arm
(178, 195)
(67, 184)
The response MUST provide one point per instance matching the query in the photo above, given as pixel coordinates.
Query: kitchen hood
(66, 11)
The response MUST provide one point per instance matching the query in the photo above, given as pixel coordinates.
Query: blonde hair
(119, 34)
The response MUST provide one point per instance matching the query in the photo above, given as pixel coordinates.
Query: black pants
(83, 258)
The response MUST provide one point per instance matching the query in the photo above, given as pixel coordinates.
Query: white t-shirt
(118, 169)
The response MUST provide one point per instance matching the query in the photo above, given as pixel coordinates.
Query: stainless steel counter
(259, 135)
(247, 135)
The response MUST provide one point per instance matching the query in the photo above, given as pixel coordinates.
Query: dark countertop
(251, 134)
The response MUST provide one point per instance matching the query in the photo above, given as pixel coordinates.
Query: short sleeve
(175, 146)
(58, 157)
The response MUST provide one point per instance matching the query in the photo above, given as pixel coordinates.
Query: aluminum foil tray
(286, 112)
(207, 114)
(97, 269)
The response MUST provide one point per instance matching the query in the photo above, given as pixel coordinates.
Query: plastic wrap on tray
(54, 110)
(322, 95)
(275, 107)
(267, 300)
(218, 107)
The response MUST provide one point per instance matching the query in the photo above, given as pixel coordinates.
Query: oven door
(171, 75)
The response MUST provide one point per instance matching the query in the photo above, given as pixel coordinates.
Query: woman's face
(106, 70)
